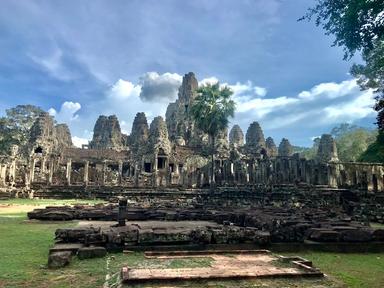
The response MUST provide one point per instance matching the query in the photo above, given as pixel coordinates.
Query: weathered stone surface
(378, 235)
(271, 147)
(140, 131)
(327, 150)
(358, 235)
(285, 148)
(236, 136)
(59, 259)
(63, 135)
(69, 235)
(323, 235)
(255, 137)
(107, 134)
(91, 252)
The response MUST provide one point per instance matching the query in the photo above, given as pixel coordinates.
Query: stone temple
(171, 153)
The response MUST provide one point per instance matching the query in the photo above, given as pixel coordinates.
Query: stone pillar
(154, 182)
(50, 172)
(32, 170)
(12, 172)
(136, 176)
(103, 176)
(69, 170)
(122, 211)
(43, 163)
(86, 173)
(3, 169)
(120, 172)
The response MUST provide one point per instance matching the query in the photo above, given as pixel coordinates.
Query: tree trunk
(212, 162)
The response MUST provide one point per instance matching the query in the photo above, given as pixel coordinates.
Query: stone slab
(237, 265)
(72, 247)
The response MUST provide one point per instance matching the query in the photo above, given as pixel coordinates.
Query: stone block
(378, 235)
(320, 235)
(91, 252)
(59, 259)
(356, 235)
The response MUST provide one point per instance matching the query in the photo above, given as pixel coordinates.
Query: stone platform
(225, 265)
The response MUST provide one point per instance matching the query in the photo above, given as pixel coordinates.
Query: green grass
(354, 269)
(24, 249)
(37, 202)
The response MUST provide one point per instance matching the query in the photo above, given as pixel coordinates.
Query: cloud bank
(322, 105)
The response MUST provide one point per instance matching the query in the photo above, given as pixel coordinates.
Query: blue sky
(80, 59)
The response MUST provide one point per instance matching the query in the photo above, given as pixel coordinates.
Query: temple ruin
(172, 153)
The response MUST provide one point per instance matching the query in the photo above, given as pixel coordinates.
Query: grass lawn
(24, 248)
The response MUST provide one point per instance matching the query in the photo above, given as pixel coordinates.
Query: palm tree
(211, 109)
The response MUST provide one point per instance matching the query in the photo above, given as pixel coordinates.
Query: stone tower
(327, 150)
(271, 147)
(187, 89)
(140, 131)
(255, 137)
(158, 135)
(107, 134)
(181, 126)
(63, 135)
(285, 148)
(236, 136)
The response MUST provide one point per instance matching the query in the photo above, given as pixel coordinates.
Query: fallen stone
(91, 252)
(324, 235)
(59, 259)
(71, 247)
(356, 235)
(378, 235)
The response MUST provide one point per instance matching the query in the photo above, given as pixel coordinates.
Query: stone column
(122, 211)
(3, 169)
(154, 183)
(12, 172)
(136, 176)
(50, 172)
(86, 173)
(43, 163)
(32, 170)
(69, 170)
(103, 176)
(120, 172)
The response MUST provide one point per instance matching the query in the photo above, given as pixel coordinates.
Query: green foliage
(352, 141)
(15, 126)
(371, 76)
(210, 110)
(358, 25)
(355, 24)
(308, 153)
(375, 151)
(212, 107)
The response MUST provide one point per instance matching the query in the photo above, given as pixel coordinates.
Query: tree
(371, 76)
(351, 141)
(358, 25)
(210, 110)
(352, 144)
(15, 126)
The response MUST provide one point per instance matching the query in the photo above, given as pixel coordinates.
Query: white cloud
(78, 141)
(359, 107)
(329, 90)
(159, 87)
(67, 112)
(323, 104)
(209, 80)
(123, 90)
(53, 63)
